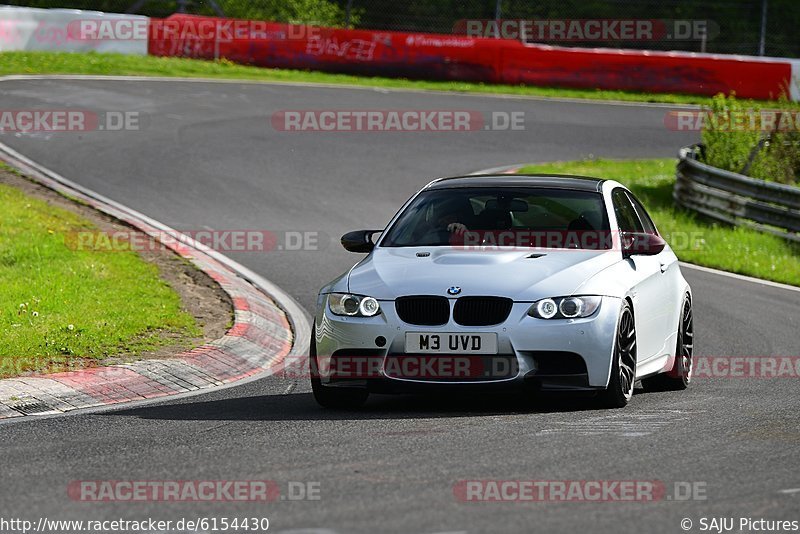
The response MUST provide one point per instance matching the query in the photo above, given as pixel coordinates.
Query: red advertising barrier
(655, 72)
(422, 56)
(453, 57)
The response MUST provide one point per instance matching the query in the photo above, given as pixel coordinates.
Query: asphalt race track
(208, 157)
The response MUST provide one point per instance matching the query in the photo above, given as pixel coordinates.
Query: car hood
(522, 275)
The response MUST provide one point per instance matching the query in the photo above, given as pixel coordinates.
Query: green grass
(116, 64)
(695, 239)
(61, 308)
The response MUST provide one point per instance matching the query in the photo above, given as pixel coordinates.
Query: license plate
(451, 343)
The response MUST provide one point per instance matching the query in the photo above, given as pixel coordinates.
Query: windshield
(517, 217)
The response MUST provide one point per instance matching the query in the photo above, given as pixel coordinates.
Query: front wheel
(623, 366)
(328, 397)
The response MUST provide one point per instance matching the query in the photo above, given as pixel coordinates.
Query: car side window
(627, 218)
(647, 222)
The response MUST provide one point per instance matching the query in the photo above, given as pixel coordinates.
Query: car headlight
(353, 305)
(565, 307)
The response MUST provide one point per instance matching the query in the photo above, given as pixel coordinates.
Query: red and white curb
(268, 326)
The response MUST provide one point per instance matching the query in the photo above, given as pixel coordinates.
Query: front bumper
(562, 354)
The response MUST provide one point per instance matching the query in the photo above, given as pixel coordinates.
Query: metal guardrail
(736, 199)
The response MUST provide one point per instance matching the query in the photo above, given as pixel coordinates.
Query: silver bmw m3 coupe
(533, 281)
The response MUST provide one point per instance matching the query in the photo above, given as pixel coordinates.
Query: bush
(779, 160)
(736, 140)
(319, 12)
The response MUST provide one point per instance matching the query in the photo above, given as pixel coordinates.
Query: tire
(623, 366)
(333, 398)
(680, 376)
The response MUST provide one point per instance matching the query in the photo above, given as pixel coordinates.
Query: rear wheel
(339, 398)
(679, 377)
(623, 367)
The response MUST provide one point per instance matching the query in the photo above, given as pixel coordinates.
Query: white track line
(558, 99)
(741, 277)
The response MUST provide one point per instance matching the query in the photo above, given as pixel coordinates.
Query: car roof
(552, 181)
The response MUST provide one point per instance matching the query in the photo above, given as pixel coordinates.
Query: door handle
(664, 267)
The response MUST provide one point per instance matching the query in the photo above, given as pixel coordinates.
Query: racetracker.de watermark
(396, 120)
(219, 240)
(192, 490)
(578, 491)
(69, 120)
(765, 120)
(345, 366)
(522, 239)
(761, 367)
(220, 30)
(589, 30)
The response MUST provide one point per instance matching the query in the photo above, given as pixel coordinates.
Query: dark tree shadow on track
(302, 407)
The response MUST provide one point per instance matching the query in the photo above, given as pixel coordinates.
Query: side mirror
(359, 241)
(641, 244)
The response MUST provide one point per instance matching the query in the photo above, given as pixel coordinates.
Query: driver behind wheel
(452, 215)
